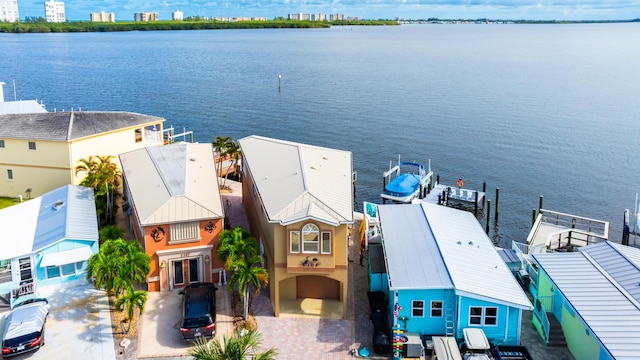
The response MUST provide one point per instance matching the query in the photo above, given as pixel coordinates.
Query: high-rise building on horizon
(9, 10)
(177, 15)
(102, 17)
(145, 16)
(54, 11)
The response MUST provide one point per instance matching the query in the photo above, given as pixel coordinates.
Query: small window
(9, 174)
(417, 308)
(138, 135)
(310, 237)
(326, 242)
(5, 271)
(53, 272)
(81, 266)
(491, 316)
(68, 269)
(475, 315)
(295, 241)
(32, 145)
(436, 308)
(483, 316)
(1, 143)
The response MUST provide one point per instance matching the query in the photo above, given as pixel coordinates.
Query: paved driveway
(78, 326)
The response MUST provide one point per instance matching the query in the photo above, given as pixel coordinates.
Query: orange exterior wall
(158, 277)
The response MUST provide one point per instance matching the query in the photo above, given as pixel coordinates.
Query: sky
(366, 9)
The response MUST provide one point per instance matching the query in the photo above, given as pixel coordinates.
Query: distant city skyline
(367, 9)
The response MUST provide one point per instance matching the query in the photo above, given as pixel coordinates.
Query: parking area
(159, 336)
(78, 326)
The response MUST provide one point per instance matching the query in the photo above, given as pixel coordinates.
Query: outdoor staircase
(449, 317)
(556, 335)
(5, 301)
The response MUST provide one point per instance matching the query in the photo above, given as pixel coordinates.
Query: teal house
(45, 243)
(594, 296)
(443, 275)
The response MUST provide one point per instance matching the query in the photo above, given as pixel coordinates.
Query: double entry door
(186, 271)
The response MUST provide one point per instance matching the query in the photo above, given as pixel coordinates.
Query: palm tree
(220, 145)
(238, 346)
(117, 265)
(136, 264)
(104, 177)
(131, 300)
(102, 269)
(232, 151)
(234, 244)
(248, 271)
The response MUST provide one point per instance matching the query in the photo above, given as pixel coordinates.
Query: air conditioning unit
(413, 347)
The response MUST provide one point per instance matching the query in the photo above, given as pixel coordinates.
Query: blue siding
(64, 245)
(379, 282)
(426, 324)
(507, 328)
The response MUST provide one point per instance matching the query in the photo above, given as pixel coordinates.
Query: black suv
(198, 311)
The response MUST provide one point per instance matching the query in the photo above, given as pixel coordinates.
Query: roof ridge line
(71, 118)
(613, 282)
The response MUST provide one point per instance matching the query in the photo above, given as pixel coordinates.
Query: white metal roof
(412, 255)
(64, 213)
(601, 282)
(173, 183)
(297, 181)
(21, 107)
(476, 268)
(467, 255)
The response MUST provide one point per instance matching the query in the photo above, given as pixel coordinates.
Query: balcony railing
(543, 303)
(22, 290)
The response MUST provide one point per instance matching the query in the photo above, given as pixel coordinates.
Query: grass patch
(5, 202)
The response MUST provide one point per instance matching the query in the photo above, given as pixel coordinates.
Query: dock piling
(488, 216)
(475, 202)
(533, 217)
(484, 190)
(497, 203)
(540, 203)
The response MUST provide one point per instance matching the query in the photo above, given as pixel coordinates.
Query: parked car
(24, 327)
(198, 311)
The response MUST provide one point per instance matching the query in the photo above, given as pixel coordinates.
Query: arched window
(310, 238)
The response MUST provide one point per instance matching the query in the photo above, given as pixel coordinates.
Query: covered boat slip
(406, 181)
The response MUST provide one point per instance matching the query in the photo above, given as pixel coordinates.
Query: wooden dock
(441, 194)
(555, 231)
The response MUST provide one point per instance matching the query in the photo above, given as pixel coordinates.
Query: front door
(186, 271)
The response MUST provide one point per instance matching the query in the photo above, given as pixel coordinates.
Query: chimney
(1, 91)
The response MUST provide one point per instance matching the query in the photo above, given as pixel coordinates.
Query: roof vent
(57, 205)
(192, 159)
(470, 242)
(459, 242)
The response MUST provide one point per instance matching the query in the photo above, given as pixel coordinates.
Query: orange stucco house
(175, 211)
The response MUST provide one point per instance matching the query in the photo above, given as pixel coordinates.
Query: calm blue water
(532, 109)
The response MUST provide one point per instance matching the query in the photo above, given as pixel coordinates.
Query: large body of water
(535, 110)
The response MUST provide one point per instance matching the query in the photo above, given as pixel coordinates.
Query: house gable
(297, 181)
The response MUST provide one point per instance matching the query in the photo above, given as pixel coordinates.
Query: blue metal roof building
(444, 274)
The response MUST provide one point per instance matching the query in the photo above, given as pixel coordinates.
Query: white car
(24, 327)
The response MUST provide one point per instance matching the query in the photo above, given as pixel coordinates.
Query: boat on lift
(406, 181)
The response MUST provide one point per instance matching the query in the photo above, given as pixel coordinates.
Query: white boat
(406, 181)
